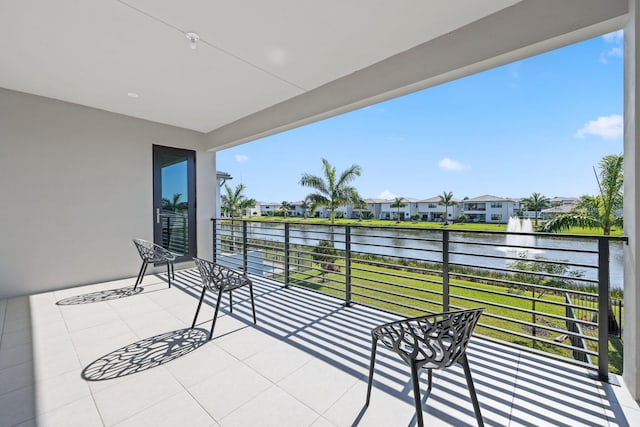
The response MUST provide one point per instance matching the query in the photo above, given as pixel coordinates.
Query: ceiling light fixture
(193, 39)
(133, 95)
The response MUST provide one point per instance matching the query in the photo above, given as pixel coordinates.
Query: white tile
(179, 410)
(90, 352)
(50, 365)
(222, 393)
(15, 355)
(83, 320)
(322, 422)
(200, 364)
(60, 391)
(271, 408)
(80, 413)
(133, 306)
(17, 406)
(16, 377)
(384, 409)
(15, 338)
(135, 394)
(154, 323)
(318, 384)
(245, 342)
(278, 361)
(99, 332)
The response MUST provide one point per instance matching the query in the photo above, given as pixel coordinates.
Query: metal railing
(533, 285)
(175, 231)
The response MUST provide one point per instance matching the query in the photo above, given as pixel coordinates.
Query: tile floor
(102, 355)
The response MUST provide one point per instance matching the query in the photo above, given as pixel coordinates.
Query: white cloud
(607, 127)
(614, 52)
(386, 195)
(241, 158)
(450, 165)
(615, 37)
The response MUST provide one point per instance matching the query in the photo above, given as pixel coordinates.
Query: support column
(631, 333)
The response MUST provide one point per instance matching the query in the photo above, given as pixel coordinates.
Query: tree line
(333, 189)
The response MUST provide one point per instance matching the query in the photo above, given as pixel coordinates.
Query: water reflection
(485, 250)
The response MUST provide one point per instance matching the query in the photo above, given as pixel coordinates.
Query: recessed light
(193, 39)
(133, 95)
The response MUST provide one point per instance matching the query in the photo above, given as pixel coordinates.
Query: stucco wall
(76, 187)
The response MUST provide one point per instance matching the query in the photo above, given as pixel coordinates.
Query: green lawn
(413, 293)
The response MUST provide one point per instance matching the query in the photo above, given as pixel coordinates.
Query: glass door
(174, 200)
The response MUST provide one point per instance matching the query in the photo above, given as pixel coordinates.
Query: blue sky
(536, 125)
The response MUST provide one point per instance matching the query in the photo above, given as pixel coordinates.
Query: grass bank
(419, 224)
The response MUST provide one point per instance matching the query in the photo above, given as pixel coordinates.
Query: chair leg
(472, 390)
(169, 272)
(204, 289)
(173, 271)
(372, 362)
(143, 270)
(430, 379)
(139, 278)
(253, 305)
(231, 301)
(215, 316)
(416, 395)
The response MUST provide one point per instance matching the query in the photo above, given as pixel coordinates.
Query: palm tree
(286, 207)
(597, 211)
(360, 204)
(446, 200)
(306, 205)
(332, 190)
(536, 202)
(174, 204)
(398, 203)
(234, 202)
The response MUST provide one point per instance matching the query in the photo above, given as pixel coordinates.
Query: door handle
(157, 215)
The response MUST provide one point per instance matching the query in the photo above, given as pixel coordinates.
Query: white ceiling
(254, 54)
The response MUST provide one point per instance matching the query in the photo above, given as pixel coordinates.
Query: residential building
(489, 209)
(431, 210)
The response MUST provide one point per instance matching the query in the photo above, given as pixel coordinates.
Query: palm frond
(565, 221)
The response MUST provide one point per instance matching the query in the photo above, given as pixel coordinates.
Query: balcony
(104, 355)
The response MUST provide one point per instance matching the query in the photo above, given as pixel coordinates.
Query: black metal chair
(218, 278)
(151, 254)
(435, 341)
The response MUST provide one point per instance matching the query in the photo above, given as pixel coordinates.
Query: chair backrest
(215, 276)
(434, 341)
(151, 252)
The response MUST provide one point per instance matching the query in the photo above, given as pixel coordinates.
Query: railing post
(445, 270)
(347, 265)
(603, 309)
(286, 255)
(244, 246)
(215, 239)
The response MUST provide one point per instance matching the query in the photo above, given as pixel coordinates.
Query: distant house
(385, 211)
(490, 209)
(431, 209)
(554, 211)
(266, 208)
